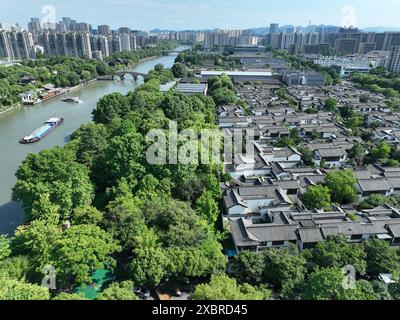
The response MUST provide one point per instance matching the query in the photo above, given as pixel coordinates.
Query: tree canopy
(51, 184)
(342, 185)
(327, 284)
(118, 291)
(225, 288)
(11, 289)
(317, 197)
(337, 252)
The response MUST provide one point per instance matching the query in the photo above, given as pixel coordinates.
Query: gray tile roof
(232, 199)
(373, 185)
(240, 235)
(265, 232)
(394, 182)
(394, 229)
(310, 235)
(191, 88)
(330, 231)
(332, 152)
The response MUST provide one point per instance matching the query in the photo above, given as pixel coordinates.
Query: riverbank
(12, 108)
(22, 121)
(71, 89)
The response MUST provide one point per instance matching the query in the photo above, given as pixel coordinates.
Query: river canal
(21, 122)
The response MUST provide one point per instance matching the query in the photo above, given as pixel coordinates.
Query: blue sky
(200, 14)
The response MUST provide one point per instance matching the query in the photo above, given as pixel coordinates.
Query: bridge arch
(123, 74)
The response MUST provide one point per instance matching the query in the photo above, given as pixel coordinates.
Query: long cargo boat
(43, 131)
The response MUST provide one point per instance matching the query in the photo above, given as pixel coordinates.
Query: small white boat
(72, 100)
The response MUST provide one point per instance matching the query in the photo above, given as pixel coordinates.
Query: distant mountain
(161, 30)
(382, 29)
(260, 31)
(264, 30)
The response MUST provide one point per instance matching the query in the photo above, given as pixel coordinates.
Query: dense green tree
(163, 76)
(381, 257)
(306, 155)
(92, 140)
(36, 242)
(44, 209)
(317, 197)
(179, 70)
(327, 284)
(191, 262)
(81, 250)
(148, 266)
(394, 290)
(177, 106)
(86, 215)
(190, 58)
(118, 291)
(223, 96)
(342, 185)
(111, 106)
(337, 252)
(15, 267)
(12, 289)
(357, 152)
(221, 90)
(159, 67)
(382, 151)
(354, 121)
(367, 288)
(248, 267)
(122, 158)
(190, 184)
(207, 207)
(69, 296)
(124, 221)
(218, 82)
(55, 180)
(381, 290)
(392, 163)
(175, 222)
(331, 105)
(5, 250)
(374, 201)
(285, 268)
(224, 288)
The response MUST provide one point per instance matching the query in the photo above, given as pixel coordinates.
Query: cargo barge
(43, 131)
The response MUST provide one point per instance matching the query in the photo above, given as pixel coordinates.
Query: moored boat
(72, 99)
(43, 131)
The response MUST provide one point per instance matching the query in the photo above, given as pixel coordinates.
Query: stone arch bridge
(123, 74)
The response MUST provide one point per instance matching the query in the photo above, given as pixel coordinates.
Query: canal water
(21, 122)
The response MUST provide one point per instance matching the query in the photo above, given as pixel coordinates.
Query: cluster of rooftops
(263, 199)
(270, 202)
(306, 229)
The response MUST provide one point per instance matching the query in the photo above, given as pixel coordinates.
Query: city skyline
(189, 14)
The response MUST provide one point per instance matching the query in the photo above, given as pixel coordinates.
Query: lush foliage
(119, 291)
(98, 204)
(342, 185)
(317, 197)
(337, 252)
(11, 289)
(390, 87)
(51, 184)
(225, 288)
(327, 284)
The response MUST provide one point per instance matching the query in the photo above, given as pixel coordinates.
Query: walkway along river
(22, 122)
